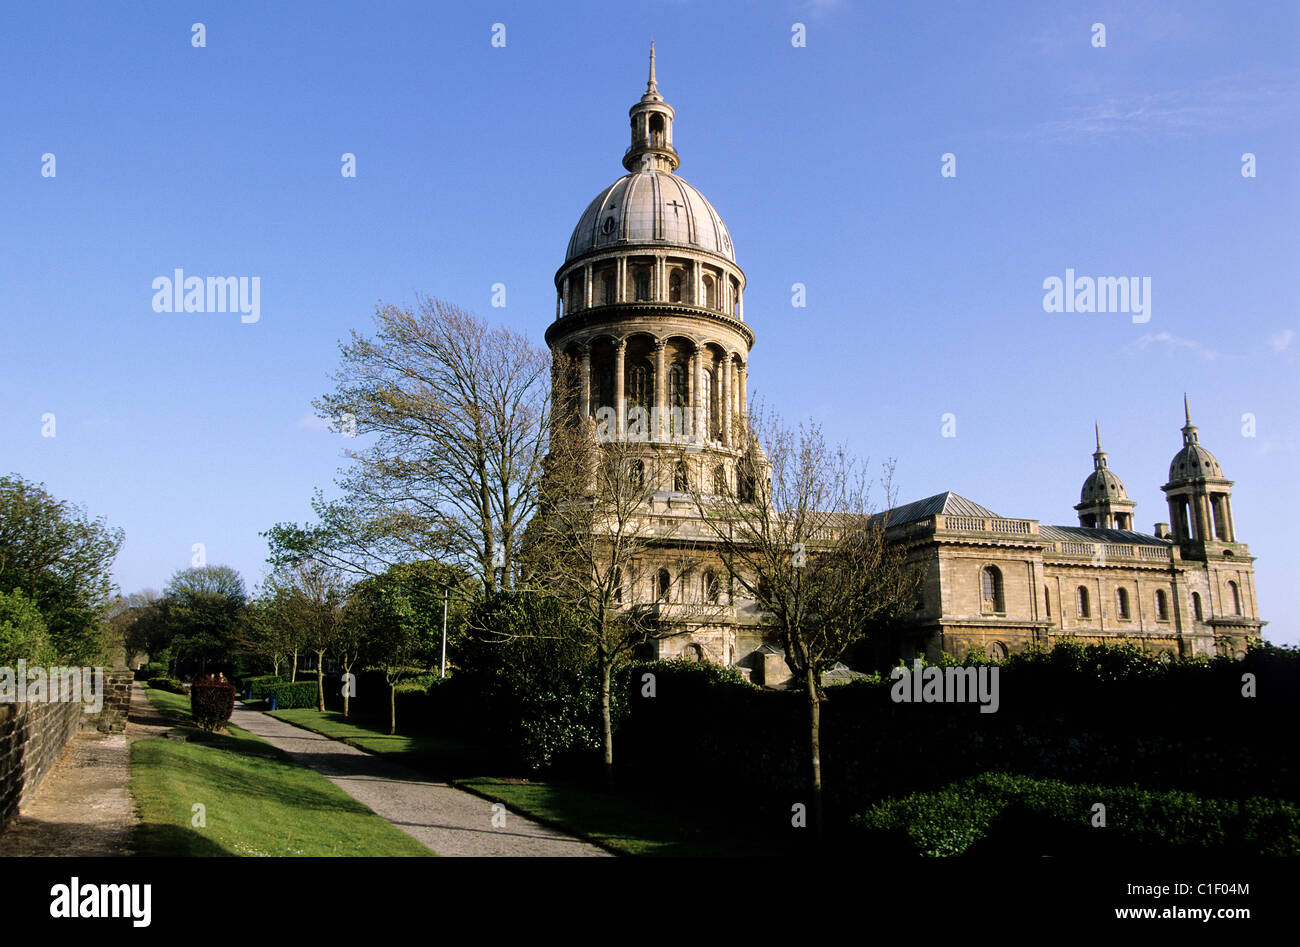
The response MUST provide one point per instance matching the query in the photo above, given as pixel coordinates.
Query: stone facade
(650, 309)
(32, 735)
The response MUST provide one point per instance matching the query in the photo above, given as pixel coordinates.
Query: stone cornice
(613, 314)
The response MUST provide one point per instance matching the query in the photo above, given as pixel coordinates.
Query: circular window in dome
(608, 226)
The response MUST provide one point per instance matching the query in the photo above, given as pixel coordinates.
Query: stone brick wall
(32, 735)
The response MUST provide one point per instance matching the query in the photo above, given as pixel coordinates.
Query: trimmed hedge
(168, 684)
(1014, 814)
(288, 696)
(211, 704)
(256, 686)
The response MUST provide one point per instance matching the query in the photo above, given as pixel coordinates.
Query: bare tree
(458, 413)
(798, 535)
(592, 528)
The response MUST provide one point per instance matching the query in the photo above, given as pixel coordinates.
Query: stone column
(586, 287)
(1202, 517)
(743, 374)
(620, 408)
(620, 291)
(741, 300)
(660, 291)
(584, 379)
(724, 398)
(661, 389)
(1227, 514)
(691, 389)
(697, 405)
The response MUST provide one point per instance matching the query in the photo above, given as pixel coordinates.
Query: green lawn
(619, 821)
(257, 802)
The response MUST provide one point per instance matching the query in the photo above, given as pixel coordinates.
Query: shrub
(528, 674)
(256, 686)
(23, 634)
(211, 704)
(999, 812)
(287, 696)
(168, 684)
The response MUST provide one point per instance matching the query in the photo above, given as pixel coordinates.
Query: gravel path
(447, 820)
(82, 807)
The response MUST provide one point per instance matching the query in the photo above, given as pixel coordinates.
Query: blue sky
(474, 162)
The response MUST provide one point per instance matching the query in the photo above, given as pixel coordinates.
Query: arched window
(991, 590)
(1196, 606)
(657, 130)
(710, 293)
(608, 286)
(681, 477)
(640, 386)
(1082, 603)
(996, 650)
(711, 587)
(1121, 602)
(641, 281)
(637, 473)
(677, 386)
(618, 584)
(664, 585)
(575, 292)
(746, 481)
(1162, 605)
(1047, 601)
(720, 486)
(675, 286)
(1236, 598)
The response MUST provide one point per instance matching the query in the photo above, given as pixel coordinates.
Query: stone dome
(1102, 485)
(650, 208)
(1194, 462)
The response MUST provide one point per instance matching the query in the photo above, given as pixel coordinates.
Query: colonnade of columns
(578, 289)
(1202, 516)
(727, 400)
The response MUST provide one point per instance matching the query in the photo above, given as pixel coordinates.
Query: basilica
(650, 306)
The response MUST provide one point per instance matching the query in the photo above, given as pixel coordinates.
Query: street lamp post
(445, 592)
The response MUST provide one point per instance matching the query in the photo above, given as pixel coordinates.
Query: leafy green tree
(531, 668)
(401, 612)
(202, 614)
(23, 635)
(61, 560)
(455, 416)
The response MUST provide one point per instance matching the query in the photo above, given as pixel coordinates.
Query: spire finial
(652, 86)
(1097, 426)
(1187, 412)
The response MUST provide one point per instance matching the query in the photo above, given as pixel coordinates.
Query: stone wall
(32, 735)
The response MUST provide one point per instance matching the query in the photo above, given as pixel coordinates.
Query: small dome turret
(1103, 501)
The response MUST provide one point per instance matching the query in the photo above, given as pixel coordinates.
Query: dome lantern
(1200, 496)
(1103, 501)
(652, 130)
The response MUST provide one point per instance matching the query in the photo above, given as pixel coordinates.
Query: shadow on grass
(626, 820)
(150, 839)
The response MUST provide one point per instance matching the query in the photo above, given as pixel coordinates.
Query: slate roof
(1084, 534)
(948, 503)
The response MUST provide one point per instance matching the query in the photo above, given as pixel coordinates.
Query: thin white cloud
(1281, 341)
(310, 422)
(1176, 342)
(1221, 104)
